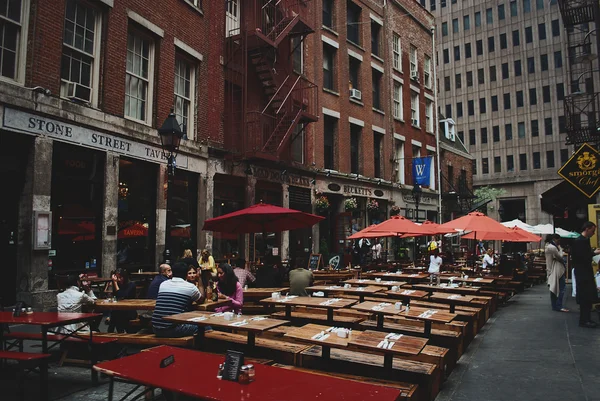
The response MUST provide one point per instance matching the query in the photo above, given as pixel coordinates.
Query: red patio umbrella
(525, 236)
(480, 226)
(399, 225)
(368, 233)
(432, 228)
(260, 218)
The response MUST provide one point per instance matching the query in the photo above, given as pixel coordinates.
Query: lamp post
(417, 191)
(170, 138)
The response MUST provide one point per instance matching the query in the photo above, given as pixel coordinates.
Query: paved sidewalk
(525, 352)
(528, 352)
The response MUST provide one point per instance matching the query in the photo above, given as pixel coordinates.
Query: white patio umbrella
(518, 223)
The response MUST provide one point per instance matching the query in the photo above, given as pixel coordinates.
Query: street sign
(582, 170)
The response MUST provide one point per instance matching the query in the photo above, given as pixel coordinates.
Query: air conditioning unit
(414, 75)
(78, 92)
(355, 94)
(415, 122)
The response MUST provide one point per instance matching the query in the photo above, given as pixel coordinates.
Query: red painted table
(272, 383)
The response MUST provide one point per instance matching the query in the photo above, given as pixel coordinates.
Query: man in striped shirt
(175, 296)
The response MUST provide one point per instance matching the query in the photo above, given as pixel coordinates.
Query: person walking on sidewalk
(581, 253)
(555, 269)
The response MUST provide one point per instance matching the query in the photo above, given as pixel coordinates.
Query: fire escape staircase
(459, 197)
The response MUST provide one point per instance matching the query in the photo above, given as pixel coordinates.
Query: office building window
(526, 6)
(515, 38)
(518, 71)
(539, 4)
(444, 29)
(471, 107)
(521, 130)
(446, 83)
(542, 31)
(510, 163)
(461, 136)
(468, 50)
(493, 73)
(459, 109)
(376, 39)
(535, 128)
(485, 168)
(497, 164)
(330, 125)
(398, 113)
(503, 41)
(466, 22)
(446, 55)
(329, 67)
(376, 78)
(139, 77)
(520, 100)
(328, 13)
(469, 78)
(532, 96)
(474, 166)
(496, 133)
(448, 111)
(432, 5)
(555, 28)
(353, 23)
(477, 19)
(550, 159)
(564, 156)
(491, 44)
(513, 8)
(548, 126)
(494, 103)
(479, 47)
(397, 52)
(455, 25)
(558, 59)
(546, 93)
(544, 62)
(472, 137)
(508, 132)
(536, 161)
(523, 161)
(482, 106)
(507, 101)
(501, 12)
(489, 16)
(480, 76)
(456, 53)
(528, 34)
(505, 71)
(560, 91)
(531, 65)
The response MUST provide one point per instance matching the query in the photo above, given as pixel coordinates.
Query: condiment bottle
(220, 372)
(244, 377)
(251, 372)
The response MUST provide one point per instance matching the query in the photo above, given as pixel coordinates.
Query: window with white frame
(184, 103)
(81, 48)
(414, 108)
(397, 50)
(399, 166)
(413, 63)
(398, 100)
(14, 15)
(428, 115)
(427, 71)
(138, 77)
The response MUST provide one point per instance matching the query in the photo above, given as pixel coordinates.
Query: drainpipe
(437, 124)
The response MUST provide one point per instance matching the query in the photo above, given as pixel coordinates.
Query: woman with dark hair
(122, 289)
(229, 288)
(555, 272)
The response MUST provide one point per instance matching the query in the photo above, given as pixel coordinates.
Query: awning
(560, 197)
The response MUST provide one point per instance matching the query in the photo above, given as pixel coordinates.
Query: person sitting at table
(165, 274)
(175, 296)
(229, 288)
(488, 260)
(194, 278)
(188, 258)
(73, 299)
(123, 288)
(243, 275)
(435, 264)
(300, 278)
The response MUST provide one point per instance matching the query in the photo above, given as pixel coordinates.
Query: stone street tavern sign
(582, 170)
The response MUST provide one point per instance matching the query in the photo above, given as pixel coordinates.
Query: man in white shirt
(376, 250)
(72, 300)
(435, 263)
(488, 260)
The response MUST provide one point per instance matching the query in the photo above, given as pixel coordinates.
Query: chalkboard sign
(336, 261)
(315, 261)
(233, 363)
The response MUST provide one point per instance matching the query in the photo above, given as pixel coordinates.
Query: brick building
(83, 87)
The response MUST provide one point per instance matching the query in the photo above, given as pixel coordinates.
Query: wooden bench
(28, 361)
(426, 375)
(409, 391)
(279, 350)
(305, 317)
(149, 340)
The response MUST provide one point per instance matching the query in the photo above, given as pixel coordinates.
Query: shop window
(136, 236)
(77, 207)
(184, 211)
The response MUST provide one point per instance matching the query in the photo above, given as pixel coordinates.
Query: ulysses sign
(582, 170)
(20, 121)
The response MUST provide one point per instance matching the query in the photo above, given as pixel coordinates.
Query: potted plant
(350, 204)
(372, 205)
(322, 202)
(395, 210)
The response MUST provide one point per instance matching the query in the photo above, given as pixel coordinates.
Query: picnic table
(389, 344)
(447, 288)
(360, 291)
(378, 283)
(313, 302)
(380, 309)
(144, 369)
(333, 276)
(254, 294)
(150, 304)
(317, 334)
(249, 324)
(406, 294)
(428, 316)
(452, 299)
(471, 280)
(410, 277)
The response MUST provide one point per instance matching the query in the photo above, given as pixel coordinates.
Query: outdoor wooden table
(144, 369)
(150, 304)
(249, 324)
(452, 299)
(49, 322)
(254, 294)
(403, 346)
(428, 316)
(360, 291)
(380, 309)
(471, 280)
(381, 283)
(309, 334)
(407, 294)
(410, 277)
(447, 288)
(313, 302)
(332, 276)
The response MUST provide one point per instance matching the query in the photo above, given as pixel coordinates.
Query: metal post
(167, 257)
